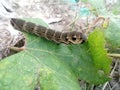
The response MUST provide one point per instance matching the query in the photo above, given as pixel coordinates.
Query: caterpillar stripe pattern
(69, 37)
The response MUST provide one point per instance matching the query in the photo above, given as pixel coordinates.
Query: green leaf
(52, 66)
(96, 43)
(112, 34)
(22, 70)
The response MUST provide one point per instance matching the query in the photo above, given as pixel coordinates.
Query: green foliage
(96, 40)
(116, 11)
(112, 34)
(99, 5)
(54, 66)
(84, 0)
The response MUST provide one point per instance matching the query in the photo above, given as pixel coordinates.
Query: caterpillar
(68, 37)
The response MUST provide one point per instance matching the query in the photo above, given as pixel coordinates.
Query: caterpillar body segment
(69, 37)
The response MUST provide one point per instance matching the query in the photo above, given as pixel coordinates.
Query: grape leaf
(50, 66)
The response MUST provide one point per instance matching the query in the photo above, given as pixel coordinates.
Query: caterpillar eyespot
(69, 37)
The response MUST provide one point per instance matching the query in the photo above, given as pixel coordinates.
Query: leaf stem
(114, 55)
(17, 48)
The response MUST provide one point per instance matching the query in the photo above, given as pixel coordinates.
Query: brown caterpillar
(69, 37)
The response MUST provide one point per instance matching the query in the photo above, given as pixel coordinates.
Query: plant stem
(114, 55)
